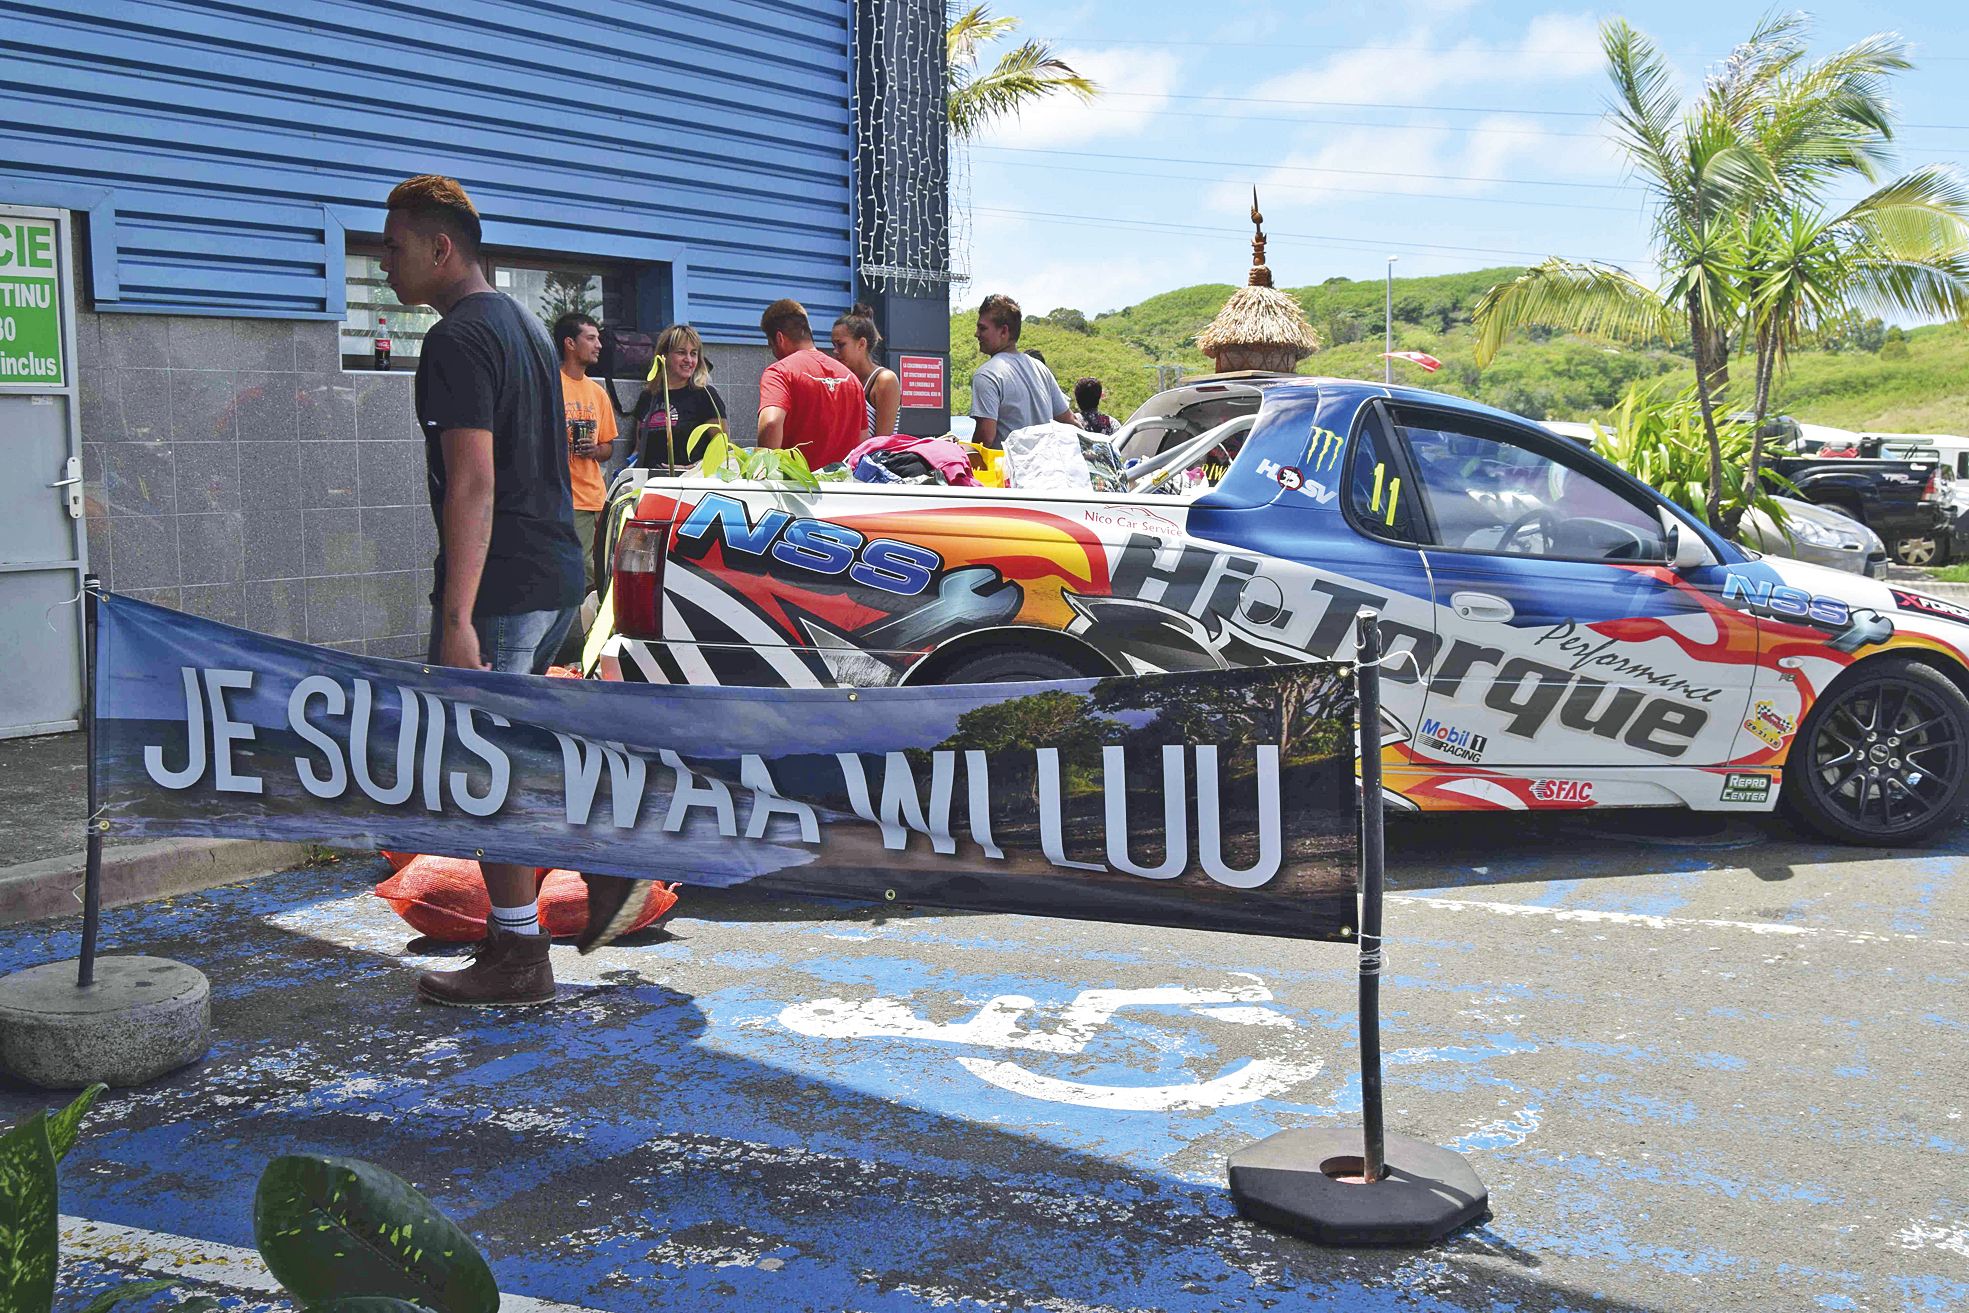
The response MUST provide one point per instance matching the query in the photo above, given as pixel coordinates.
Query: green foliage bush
(1866, 383)
(1657, 436)
(339, 1234)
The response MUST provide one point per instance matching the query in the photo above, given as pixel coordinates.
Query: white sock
(521, 920)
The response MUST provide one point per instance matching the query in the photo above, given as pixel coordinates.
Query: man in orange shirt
(807, 398)
(590, 427)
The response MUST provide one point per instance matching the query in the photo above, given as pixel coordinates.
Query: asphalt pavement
(1701, 1065)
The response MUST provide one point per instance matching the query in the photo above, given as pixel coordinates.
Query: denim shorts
(522, 644)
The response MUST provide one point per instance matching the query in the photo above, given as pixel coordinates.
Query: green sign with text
(30, 303)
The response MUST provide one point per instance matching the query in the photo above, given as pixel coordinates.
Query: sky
(1451, 134)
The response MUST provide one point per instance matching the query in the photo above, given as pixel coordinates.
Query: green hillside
(1919, 387)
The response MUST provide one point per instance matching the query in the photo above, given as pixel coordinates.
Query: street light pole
(1388, 325)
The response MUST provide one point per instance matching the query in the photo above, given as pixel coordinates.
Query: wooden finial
(1260, 275)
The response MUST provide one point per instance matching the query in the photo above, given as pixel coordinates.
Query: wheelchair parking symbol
(1008, 1024)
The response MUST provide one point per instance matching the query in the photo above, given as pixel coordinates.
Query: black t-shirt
(488, 365)
(691, 407)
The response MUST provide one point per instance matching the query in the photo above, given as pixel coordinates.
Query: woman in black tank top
(679, 411)
(856, 340)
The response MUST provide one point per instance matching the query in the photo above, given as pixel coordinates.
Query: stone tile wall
(234, 470)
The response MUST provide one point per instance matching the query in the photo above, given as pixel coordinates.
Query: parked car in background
(1174, 416)
(1900, 500)
(1952, 449)
(1818, 535)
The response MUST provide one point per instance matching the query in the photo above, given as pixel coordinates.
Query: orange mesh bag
(444, 898)
(397, 861)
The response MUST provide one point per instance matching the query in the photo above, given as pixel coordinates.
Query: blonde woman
(679, 412)
(856, 340)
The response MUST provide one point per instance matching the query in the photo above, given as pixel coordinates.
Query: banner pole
(1335, 1185)
(92, 879)
(1367, 675)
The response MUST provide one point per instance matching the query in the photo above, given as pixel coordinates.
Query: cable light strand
(904, 201)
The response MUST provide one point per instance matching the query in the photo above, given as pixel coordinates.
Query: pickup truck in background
(1902, 500)
(1559, 635)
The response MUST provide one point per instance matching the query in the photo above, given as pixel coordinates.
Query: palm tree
(1902, 249)
(1741, 234)
(1025, 73)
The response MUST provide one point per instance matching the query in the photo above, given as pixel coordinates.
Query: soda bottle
(382, 342)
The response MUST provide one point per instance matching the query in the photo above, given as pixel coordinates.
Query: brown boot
(614, 902)
(507, 970)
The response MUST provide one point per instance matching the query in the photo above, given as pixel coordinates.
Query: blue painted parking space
(1686, 1088)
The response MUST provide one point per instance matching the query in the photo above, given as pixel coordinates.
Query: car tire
(1009, 665)
(1856, 779)
(1919, 549)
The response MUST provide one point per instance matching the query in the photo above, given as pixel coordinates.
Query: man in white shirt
(1010, 390)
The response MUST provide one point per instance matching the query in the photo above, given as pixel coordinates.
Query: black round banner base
(1290, 1182)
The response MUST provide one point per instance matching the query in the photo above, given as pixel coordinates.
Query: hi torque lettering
(1201, 581)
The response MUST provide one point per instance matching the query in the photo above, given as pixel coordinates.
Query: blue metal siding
(236, 141)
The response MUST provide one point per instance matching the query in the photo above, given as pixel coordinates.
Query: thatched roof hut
(1260, 327)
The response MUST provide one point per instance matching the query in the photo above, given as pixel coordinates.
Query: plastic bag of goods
(1046, 458)
(1103, 464)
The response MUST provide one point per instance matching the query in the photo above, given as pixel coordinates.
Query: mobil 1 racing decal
(1926, 605)
(1851, 628)
(1745, 786)
(1182, 605)
(1451, 741)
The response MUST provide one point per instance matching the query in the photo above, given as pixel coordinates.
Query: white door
(43, 549)
(1567, 642)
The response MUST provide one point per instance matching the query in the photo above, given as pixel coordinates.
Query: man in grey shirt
(1010, 390)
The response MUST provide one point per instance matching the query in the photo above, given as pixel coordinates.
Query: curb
(139, 872)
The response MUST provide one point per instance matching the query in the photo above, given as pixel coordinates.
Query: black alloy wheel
(1881, 758)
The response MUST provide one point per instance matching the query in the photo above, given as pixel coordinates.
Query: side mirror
(1686, 549)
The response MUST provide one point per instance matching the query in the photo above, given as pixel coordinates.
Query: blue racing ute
(1560, 635)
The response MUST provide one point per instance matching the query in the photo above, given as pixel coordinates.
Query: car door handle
(1481, 606)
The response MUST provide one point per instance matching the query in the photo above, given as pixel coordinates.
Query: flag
(1422, 358)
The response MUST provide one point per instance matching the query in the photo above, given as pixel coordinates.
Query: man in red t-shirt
(807, 399)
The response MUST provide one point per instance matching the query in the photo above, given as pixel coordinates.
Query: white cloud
(1434, 159)
(1142, 81)
(1554, 48)
(1083, 268)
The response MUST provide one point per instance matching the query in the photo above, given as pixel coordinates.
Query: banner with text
(1221, 800)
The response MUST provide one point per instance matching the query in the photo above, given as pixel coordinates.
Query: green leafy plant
(726, 460)
(1661, 440)
(339, 1234)
(1755, 254)
(1028, 72)
(333, 1228)
(30, 1229)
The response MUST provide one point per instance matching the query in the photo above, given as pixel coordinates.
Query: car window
(1375, 478)
(1155, 436)
(1482, 488)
